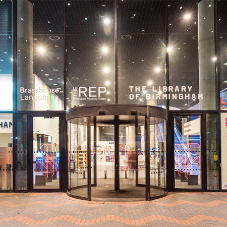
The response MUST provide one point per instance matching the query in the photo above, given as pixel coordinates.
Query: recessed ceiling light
(50, 79)
(150, 82)
(107, 82)
(108, 100)
(68, 3)
(48, 22)
(106, 21)
(55, 70)
(106, 69)
(61, 91)
(46, 74)
(187, 16)
(55, 84)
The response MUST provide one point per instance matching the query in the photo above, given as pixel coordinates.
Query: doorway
(46, 146)
(117, 157)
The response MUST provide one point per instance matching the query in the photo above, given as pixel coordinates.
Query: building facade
(116, 94)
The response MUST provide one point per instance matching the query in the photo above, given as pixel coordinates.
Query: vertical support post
(95, 153)
(136, 147)
(116, 145)
(63, 153)
(89, 156)
(30, 152)
(218, 87)
(115, 52)
(14, 48)
(203, 155)
(147, 150)
(65, 55)
(170, 179)
(167, 56)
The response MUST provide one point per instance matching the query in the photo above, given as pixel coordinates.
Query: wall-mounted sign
(6, 126)
(160, 92)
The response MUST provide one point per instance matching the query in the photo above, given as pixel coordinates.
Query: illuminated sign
(90, 93)
(160, 92)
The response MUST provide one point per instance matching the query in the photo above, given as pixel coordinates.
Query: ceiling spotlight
(214, 59)
(187, 16)
(169, 49)
(106, 69)
(106, 21)
(150, 82)
(107, 82)
(107, 92)
(157, 69)
(104, 49)
(41, 50)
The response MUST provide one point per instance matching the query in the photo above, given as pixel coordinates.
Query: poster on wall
(224, 150)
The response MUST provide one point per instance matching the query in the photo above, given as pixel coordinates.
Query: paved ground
(57, 209)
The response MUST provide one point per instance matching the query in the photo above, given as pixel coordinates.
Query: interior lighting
(181, 7)
(141, 100)
(225, 64)
(104, 49)
(157, 69)
(11, 59)
(209, 5)
(41, 50)
(107, 92)
(187, 16)
(214, 59)
(107, 82)
(46, 74)
(55, 84)
(150, 82)
(106, 69)
(106, 21)
(108, 100)
(50, 79)
(68, 3)
(169, 49)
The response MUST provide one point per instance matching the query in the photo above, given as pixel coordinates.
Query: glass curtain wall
(40, 55)
(6, 79)
(141, 52)
(192, 57)
(90, 53)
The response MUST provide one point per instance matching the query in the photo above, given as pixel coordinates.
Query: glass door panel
(187, 151)
(78, 157)
(46, 153)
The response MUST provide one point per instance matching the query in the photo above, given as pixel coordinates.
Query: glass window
(78, 157)
(6, 152)
(90, 53)
(46, 155)
(6, 79)
(222, 19)
(21, 152)
(192, 55)
(187, 152)
(141, 52)
(40, 55)
(223, 151)
(212, 151)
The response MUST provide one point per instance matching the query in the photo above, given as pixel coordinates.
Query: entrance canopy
(117, 152)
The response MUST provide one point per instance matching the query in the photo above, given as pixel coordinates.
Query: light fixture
(41, 49)
(169, 49)
(55, 84)
(108, 100)
(107, 92)
(104, 49)
(107, 82)
(68, 3)
(214, 59)
(181, 7)
(209, 5)
(157, 69)
(50, 79)
(187, 16)
(46, 74)
(150, 82)
(106, 21)
(106, 69)
(225, 64)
